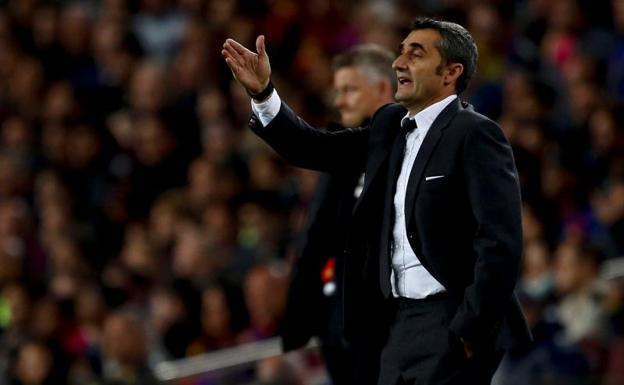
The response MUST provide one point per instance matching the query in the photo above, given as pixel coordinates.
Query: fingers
(251, 69)
(229, 51)
(260, 47)
(239, 48)
(232, 59)
(231, 62)
(234, 67)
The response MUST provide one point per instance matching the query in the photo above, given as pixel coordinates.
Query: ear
(452, 72)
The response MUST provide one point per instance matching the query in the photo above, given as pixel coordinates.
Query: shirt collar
(425, 118)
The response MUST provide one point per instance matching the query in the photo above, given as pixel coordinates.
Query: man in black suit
(363, 82)
(437, 225)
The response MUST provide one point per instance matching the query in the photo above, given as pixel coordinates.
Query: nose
(398, 63)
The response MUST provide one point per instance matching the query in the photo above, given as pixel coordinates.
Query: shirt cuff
(268, 109)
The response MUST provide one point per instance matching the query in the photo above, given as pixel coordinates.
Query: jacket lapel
(424, 153)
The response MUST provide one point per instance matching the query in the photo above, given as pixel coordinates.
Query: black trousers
(421, 350)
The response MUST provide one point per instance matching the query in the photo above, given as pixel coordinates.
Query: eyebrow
(412, 45)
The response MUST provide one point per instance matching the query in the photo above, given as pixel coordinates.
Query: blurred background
(140, 221)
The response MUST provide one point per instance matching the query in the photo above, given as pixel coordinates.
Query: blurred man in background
(363, 82)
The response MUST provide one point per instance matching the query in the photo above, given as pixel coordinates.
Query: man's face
(357, 97)
(419, 70)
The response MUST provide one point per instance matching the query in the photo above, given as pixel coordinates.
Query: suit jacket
(310, 311)
(465, 227)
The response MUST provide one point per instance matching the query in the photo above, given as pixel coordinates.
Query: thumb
(260, 48)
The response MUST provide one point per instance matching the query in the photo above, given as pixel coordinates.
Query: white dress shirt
(268, 109)
(409, 277)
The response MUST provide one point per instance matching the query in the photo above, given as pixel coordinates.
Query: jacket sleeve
(494, 195)
(305, 146)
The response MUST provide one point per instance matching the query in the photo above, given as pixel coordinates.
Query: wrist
(264, 94)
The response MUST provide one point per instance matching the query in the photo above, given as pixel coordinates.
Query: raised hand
(252, 70)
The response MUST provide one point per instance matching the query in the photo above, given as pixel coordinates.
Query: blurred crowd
(140, 221)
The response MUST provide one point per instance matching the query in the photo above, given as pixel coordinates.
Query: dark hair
(372, 58)
(456, 46)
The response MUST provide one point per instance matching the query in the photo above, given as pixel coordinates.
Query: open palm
(252, 70)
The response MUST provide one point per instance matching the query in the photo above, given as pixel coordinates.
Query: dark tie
(394, 169)
(408, 125)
